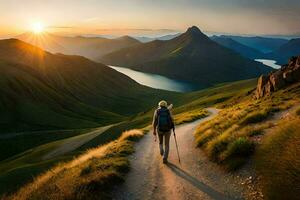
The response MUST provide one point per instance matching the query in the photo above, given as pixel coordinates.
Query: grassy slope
(42, 91)
(88, 176)
(190, 57)
(238, 132)
(29, 164)
(229, 138)
(278, 160)
(286, 51)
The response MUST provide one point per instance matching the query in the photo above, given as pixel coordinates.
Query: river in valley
(155, 81)
(270, 63)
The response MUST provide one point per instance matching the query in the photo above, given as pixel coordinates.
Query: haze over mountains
(287, 50)
(276, 49)
(40, 90)
(190, 57)
(263, 44)
(90, 47)
(240, 48)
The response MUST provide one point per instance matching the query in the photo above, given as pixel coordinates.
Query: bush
(240, 147)
(298, 111)
(217, 145)
(203, 138)
(255, 117)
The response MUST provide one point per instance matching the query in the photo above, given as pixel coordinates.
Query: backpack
(164, 120)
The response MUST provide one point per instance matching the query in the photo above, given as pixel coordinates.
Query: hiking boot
(162, 153)
(165, 161)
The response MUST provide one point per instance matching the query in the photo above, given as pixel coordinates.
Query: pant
(164, 136)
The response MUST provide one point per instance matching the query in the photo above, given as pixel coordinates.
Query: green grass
(241, 119)
(27, 165)
(278, 162)
(298, 111)
(22, 167)
(28, 140)
(65, 92)
(89, 176)
(190, 116)
(255, 117)
(237, 152)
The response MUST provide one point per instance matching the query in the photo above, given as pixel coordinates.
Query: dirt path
(195, 178)
(73, 143)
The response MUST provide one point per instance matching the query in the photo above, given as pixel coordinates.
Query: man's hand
(154, 134)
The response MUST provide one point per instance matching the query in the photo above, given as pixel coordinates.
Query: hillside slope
(190, 57)
(263, 44)
(284, 52)
(244, 50)
(90, 47)
(40, 90)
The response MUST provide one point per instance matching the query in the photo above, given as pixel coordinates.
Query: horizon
(154, 36)
(152, 19)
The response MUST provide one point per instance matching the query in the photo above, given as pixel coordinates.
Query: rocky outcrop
(276, 80)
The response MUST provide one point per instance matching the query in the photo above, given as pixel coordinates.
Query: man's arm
(154, 123)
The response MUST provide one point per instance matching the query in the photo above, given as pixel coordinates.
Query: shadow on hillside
(198, 184)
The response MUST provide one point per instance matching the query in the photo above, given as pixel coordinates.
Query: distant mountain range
(244, 50)
(262, 44)
(191, 57)
(90, 47)
(150, 39)
(287, 50)
(276, 49)
(41, 91)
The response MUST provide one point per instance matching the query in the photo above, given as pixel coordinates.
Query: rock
(277, 80)
(260, 86)
(296, 73)
(288, 74)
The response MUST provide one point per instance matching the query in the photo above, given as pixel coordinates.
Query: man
(162, 125)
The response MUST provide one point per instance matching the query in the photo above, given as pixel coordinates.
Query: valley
(74, 128)
(155, 81)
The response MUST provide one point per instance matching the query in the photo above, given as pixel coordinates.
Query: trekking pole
(176, 146)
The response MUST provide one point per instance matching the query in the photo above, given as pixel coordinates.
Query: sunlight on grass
(89, 176)
(231, 137)
(190, 116)
(278, 159)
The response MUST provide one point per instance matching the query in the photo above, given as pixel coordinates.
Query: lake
(155, 81)
(270, 63)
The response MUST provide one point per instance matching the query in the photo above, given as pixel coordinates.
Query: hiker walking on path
(162, 125)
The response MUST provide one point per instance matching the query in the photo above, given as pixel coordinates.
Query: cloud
(61, 27)
(92, 19)
(137, 29)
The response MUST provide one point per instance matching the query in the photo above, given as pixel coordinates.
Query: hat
(162, 104)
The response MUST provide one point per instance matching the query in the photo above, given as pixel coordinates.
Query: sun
(38, 27)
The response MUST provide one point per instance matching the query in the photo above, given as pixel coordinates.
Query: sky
(151, 17)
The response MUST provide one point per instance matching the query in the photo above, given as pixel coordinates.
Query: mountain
(150, 39)
(244, 50)
(284, 52)
(190, 57)
(90, 47)
(263, 44)
(41, 91)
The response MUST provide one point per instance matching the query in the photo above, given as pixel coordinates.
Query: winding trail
(70, 144)
(195, 178)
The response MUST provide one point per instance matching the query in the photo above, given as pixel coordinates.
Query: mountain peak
(193, 29)
(195, 33)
